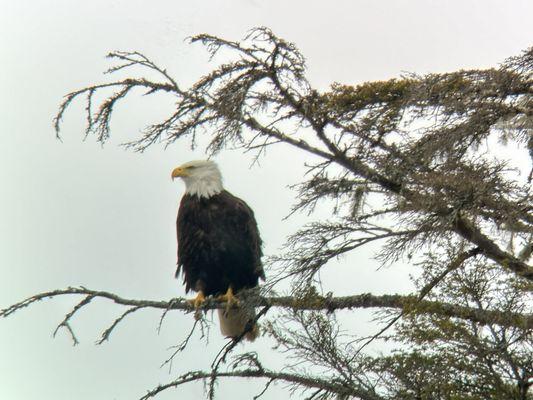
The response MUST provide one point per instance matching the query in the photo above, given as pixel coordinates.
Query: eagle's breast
(218, 244)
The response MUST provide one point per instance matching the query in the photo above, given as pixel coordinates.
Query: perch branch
(364, 300)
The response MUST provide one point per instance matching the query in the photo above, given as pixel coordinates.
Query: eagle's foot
(229, 298)
(197, 301)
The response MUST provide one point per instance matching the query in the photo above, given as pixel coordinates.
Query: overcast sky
(74, 213)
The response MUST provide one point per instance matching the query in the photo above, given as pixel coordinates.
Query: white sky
(73, 213)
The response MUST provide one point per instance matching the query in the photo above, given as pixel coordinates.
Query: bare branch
(107, 332)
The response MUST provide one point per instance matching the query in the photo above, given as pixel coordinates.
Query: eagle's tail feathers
(234, 321)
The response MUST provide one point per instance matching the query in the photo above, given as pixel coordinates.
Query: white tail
(233, 322)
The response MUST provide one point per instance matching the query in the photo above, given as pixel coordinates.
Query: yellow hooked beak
(178, 172)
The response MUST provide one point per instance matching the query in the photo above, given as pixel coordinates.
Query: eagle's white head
(202, 177)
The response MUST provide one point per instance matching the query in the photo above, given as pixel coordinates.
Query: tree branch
(315, 302)
(471, 233)
(298, 380)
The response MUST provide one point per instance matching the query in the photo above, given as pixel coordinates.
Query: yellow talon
(229, 298)
(198, 300)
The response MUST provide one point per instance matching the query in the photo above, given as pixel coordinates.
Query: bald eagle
(219, 247)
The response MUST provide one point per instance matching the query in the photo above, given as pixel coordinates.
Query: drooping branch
(308, 302)
(302, 381)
